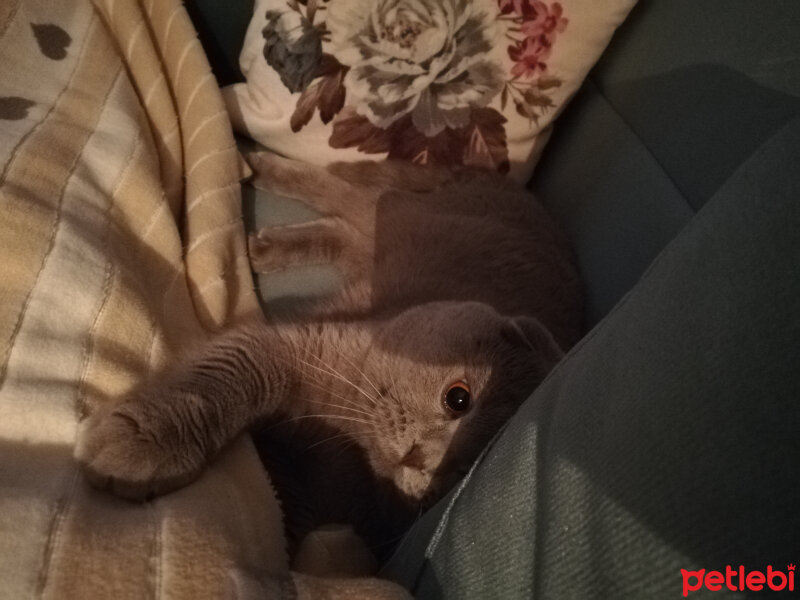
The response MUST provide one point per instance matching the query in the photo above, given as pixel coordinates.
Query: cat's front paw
(131, 450)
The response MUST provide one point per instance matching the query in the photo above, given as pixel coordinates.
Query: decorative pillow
(454, 82)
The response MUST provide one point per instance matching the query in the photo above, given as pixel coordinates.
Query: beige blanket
(121, 242)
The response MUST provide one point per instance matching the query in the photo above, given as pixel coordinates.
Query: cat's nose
(414, 458)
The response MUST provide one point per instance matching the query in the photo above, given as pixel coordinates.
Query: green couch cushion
(666, 440)
(704, 85)
(686, 92)
(618, 205)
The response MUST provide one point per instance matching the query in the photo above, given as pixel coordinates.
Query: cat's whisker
(337, 376)
(333, 372)
(364, 375)
(318, 384)
(352, 442)
(391, 378)
(326, 440)
(342, 417)
(345, 379)
(363, 412)
(343, 446)
(331, 438)
(354, 438)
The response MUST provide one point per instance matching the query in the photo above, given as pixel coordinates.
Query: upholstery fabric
(684, 94)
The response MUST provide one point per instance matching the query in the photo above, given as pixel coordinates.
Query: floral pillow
(453, 82)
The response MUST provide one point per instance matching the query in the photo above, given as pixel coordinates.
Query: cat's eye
(457, 398)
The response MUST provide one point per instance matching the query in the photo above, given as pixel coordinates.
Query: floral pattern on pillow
(416, 79)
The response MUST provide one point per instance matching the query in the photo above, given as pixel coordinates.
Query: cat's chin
(412, 486)
(412, 482)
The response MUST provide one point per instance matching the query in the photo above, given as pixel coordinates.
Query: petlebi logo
(739, 580)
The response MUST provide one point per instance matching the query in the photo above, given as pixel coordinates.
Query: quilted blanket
(121, 243)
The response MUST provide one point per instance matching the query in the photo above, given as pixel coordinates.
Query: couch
(667, 439)
(657, 458)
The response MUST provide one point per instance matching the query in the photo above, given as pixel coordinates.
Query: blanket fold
(121, 234)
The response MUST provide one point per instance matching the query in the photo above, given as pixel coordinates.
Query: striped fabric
(121, 243)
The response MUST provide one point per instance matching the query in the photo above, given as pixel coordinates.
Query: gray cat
(460, 295)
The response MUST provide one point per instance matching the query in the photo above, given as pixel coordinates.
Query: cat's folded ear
(529, 333)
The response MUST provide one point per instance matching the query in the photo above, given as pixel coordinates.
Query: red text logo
(738, 580)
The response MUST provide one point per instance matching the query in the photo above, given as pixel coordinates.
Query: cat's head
(445, 377)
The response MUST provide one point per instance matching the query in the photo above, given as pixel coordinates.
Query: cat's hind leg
(328, 240)
(314, 242)
(311, 184)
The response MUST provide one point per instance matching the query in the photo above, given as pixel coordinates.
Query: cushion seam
(590, 81)
(746, 161)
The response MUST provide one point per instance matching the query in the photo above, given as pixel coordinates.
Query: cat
(460, 294)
